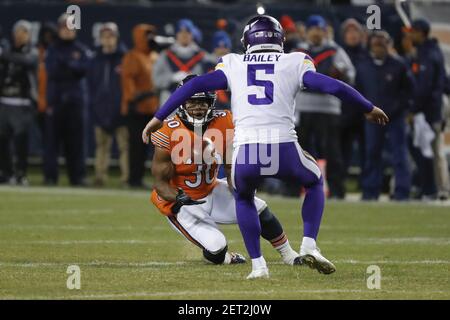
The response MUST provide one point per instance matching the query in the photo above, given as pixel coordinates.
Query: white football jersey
(263, 88)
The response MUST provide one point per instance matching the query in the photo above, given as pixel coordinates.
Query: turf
(126, 250)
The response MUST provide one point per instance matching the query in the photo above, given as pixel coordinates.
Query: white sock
(259, 263)
(309, 243)
(227, 259)
(287, 253)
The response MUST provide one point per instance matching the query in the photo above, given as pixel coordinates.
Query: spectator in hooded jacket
(18, 66)
(139, 102)
(105, 99)
(67, 63)
(387, 81)
(182, 58)
(428, 66)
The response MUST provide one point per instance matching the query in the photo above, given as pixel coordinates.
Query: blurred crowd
(57, 80)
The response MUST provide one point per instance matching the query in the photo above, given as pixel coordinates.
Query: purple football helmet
(263, 33)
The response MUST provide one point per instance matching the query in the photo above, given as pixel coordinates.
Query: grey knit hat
(24, 24)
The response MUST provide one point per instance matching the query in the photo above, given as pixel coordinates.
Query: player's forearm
(165, 191)
(211, 81)
(319, 82)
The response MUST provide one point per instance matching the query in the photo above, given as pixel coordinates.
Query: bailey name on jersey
(261, 57)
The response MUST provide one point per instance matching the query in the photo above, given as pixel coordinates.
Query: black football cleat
(237, 258)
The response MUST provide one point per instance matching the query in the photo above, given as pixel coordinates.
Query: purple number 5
(267, 84)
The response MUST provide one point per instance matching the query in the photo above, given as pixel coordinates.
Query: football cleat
(298, 261)
(290, 259)
(237, 258)
(259, 273)
(315, 260)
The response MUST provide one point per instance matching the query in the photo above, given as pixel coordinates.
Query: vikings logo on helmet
(263, 33)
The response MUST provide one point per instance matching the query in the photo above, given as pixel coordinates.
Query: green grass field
(126, 250)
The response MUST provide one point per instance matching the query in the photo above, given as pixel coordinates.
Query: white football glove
(178, 76)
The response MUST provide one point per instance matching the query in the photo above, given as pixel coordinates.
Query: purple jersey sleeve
(319, 82)
(208, 82)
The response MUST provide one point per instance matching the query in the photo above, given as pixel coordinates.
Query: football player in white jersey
(263, 83)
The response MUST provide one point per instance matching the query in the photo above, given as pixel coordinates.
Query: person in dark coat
(428, 66)
(387, 81)
(352, 122)
(105, 91)
(66, 63)
(18, 68)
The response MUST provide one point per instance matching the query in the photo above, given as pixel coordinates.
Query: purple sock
(248, 220)
(312, 209)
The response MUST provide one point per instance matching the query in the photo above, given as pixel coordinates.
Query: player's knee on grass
(215, 248)
(215, 257)
(270, 226)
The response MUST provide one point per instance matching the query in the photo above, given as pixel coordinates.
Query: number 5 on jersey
(267, 84)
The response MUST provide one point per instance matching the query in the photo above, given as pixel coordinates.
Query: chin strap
(197, 122)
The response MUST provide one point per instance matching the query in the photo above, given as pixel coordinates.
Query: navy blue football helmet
(209, 97)
(263, 33)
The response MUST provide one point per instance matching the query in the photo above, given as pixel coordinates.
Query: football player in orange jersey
(188, 192)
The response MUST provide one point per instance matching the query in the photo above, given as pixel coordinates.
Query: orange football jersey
(196, 175)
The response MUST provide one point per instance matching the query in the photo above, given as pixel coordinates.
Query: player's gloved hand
(183, 199)
(377, 116)
(151, 126)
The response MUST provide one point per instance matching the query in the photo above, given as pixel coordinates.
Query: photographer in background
(139, 102)
(18, 91)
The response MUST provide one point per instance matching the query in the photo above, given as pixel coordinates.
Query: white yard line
(351, 198)
(166, 227)
(353, 241)
(75, 191)
(75, 242)
(145, 264)
(219, 293)
(79, 227)
(92, 264)
(401, 262)
(70, 211)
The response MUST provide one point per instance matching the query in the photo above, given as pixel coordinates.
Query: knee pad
(270, 226)
(265, 215)
(216, 257)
